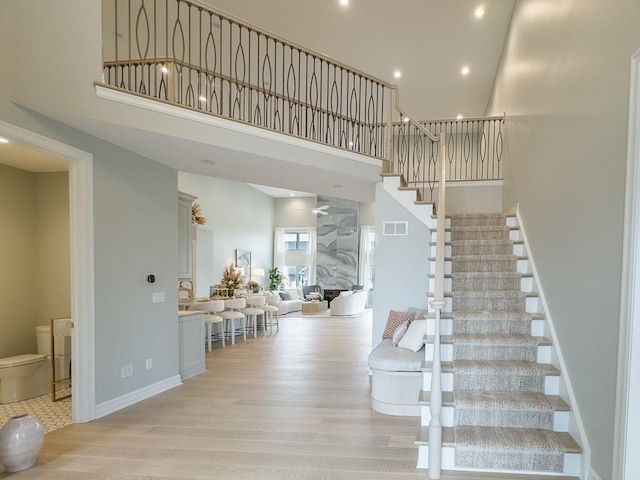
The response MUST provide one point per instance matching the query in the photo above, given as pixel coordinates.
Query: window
(296, 276)
(296, 241)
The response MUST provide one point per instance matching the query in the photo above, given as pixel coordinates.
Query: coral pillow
(394, 321)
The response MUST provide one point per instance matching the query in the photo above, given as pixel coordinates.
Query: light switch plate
(158, 297)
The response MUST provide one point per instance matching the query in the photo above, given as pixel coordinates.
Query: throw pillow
(394, 321)
(285, 296)
(345, 293)
(293, 294)
(414, 338)
(418, 313)
(399, 333)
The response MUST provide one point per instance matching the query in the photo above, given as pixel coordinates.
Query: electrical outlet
(126, 371)
(149, 364)
(157, 297)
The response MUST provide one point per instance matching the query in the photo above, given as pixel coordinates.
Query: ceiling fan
(321, 210)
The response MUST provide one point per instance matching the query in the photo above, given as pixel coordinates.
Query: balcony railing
(474, 151)
(188, 54)
(191, 55)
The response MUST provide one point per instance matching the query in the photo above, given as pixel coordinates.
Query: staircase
(502, 404)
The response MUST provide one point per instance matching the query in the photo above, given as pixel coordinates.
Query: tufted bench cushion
(388, 358)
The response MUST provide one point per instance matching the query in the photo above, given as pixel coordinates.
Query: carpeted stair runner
(502, 419)
(530, 449)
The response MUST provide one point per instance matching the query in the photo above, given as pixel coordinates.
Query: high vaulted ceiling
(429, 41)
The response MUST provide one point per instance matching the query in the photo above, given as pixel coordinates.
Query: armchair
(349, 304)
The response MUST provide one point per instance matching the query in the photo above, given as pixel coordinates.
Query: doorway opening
(81, 260)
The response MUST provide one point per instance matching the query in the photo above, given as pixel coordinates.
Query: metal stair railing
(189, 54)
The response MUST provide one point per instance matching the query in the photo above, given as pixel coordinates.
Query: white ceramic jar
(21, 439)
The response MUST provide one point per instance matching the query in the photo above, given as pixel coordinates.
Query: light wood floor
(293, 405)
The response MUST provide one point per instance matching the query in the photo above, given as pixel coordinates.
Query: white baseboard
(136, 396)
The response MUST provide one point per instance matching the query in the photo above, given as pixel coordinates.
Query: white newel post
(438, 303)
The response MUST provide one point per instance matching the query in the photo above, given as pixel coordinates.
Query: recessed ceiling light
(465, 71)
(397, 74)
(459, 117)
(164, 69)
(203, 99)
(208, 162)
(3, 140)
(292, 194)
(479, 13)
(405, 119)
(344, 3)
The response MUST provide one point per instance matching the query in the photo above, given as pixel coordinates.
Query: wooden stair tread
(449, 316)
(447, 367)
(448, 340)
(447, 400)
(448, 439)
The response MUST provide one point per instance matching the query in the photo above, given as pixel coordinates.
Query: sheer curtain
(365, 260)
(311, 255)
(278, 249)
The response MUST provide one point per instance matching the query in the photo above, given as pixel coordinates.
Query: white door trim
(626, 461)
(82, 264)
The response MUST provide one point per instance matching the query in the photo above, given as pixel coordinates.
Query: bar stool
(255, 307)
(232, 313)
(211, 308)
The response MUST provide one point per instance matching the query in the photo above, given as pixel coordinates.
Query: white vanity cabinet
(185, 247)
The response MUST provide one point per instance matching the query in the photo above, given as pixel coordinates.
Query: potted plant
(253, 286)
(276, 279)
(232, 279)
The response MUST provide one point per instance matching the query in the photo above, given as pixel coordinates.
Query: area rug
(326, 314)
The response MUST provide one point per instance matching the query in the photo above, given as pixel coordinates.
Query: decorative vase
(21, 439)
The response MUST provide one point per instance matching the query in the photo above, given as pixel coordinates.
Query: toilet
(23, 377)
(27, 376)
(62, 351)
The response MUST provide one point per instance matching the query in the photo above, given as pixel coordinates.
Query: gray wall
(564, 83)
(53, 268)
(294, 212)
(241, 216)
(136, 233)
(35, 285)
(17, 247)
(401, 264)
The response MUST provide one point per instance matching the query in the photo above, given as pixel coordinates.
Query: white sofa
(349, 303)
(294, 304)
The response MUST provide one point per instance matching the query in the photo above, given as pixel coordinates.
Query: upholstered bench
(396, 379)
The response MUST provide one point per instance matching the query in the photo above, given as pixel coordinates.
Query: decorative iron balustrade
(474, 151)
(189, 54)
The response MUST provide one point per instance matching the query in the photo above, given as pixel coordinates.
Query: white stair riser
(560, 419)
(543, 353)
(572, 462)
(551, 383)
